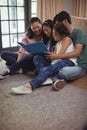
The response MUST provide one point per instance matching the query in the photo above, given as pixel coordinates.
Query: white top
(69, 49)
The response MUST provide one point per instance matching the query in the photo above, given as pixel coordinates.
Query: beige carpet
(44, 109)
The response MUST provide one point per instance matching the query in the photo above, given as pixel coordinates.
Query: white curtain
(80, 8)
(47, 9)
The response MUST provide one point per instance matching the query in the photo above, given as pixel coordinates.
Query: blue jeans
(26, 64)
(9, 57)
(67, 73)
(49, 71)
(40, 62)
(71, 73)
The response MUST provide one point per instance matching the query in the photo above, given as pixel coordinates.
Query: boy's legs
(67, 74)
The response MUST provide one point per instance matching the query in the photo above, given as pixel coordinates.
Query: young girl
(41, 61)
(64, 44)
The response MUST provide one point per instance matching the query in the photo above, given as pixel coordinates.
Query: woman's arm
(20, 55)
(22, 51)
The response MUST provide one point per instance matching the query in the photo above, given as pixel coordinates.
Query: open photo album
(34, 48)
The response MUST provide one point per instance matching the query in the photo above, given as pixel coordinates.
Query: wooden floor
(82, 82)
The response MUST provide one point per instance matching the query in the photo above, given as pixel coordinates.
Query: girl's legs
(9, 57)
(26, 64)
(37, 81)
(49, 71)
(40, 62)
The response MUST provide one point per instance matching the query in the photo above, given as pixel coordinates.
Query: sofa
(79, 22)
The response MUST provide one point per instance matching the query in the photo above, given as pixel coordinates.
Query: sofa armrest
(79, 22)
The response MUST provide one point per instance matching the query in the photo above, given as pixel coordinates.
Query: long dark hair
(48, 23)
(29, 30)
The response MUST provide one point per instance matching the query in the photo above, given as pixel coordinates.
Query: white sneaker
(47, 82)
(21, 90)
(1, 77)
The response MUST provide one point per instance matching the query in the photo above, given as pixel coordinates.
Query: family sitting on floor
(65, 60)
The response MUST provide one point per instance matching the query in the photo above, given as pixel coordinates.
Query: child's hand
(51, 56)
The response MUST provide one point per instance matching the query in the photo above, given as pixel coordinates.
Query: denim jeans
(26, 64)
(9, 57)
(71, 73)
(67, 73)
(40, 62)
(49, 71)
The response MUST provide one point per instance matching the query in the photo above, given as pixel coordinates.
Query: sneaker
(47, 82)
(1, 77)
(59, 84)
(21, 90)
(18, 72)
(5, 73)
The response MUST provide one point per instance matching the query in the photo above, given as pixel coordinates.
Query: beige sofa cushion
(79, 23)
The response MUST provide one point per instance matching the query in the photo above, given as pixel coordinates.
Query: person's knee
(35, 58)
(63, 73)
(3, 54)
(71, 73)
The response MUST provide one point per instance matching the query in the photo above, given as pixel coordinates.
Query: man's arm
(73, 54)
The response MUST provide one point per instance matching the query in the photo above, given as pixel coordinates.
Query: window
(33, 8)
(14, 18)
(12, 22)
